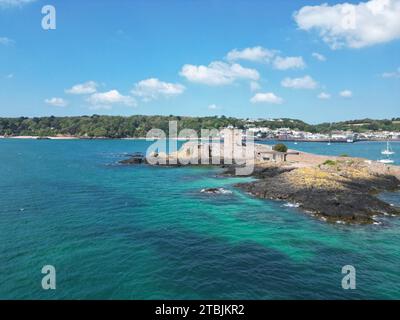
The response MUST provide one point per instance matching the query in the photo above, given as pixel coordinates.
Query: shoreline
(184, 139)
(81, 138)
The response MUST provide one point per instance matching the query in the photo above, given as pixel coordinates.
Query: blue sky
(253, 58)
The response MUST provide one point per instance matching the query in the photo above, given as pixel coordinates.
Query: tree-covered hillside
(106, 126)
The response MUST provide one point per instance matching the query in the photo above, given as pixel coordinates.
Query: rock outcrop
(338, 190)
(216, 191)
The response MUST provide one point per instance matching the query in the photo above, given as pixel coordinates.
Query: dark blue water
(139, 232)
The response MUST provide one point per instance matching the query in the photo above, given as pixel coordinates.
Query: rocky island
(334, 189)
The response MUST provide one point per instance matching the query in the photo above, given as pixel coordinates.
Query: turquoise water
(139, 232)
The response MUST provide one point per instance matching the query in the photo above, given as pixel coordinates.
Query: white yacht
(388, 151)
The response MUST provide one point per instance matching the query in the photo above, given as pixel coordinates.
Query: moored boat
(388, 150)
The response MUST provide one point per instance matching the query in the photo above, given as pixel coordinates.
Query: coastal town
(265, 133)
(338, 136)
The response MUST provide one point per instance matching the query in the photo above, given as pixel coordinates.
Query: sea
(115, 231)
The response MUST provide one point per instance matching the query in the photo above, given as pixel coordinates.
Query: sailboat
(388, 151)
(330, 134)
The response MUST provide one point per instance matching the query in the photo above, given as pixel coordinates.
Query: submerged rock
(216, 191)
(136, 158)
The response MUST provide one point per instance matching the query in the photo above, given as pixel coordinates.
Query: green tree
(280, 147)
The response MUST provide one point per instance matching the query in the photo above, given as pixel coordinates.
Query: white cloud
(6, 41)
(14, 3)
(254, 86)
(218, 73)
(352, 25)
(56, 102)
(324, 96)
(286, 63)
(212, 107)
(255, 54)
(268, 97)
(394, 74)
(109, 98)
(151, 89)
(305, 82)
(346, 94)
(83, 88)
(319, 56)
